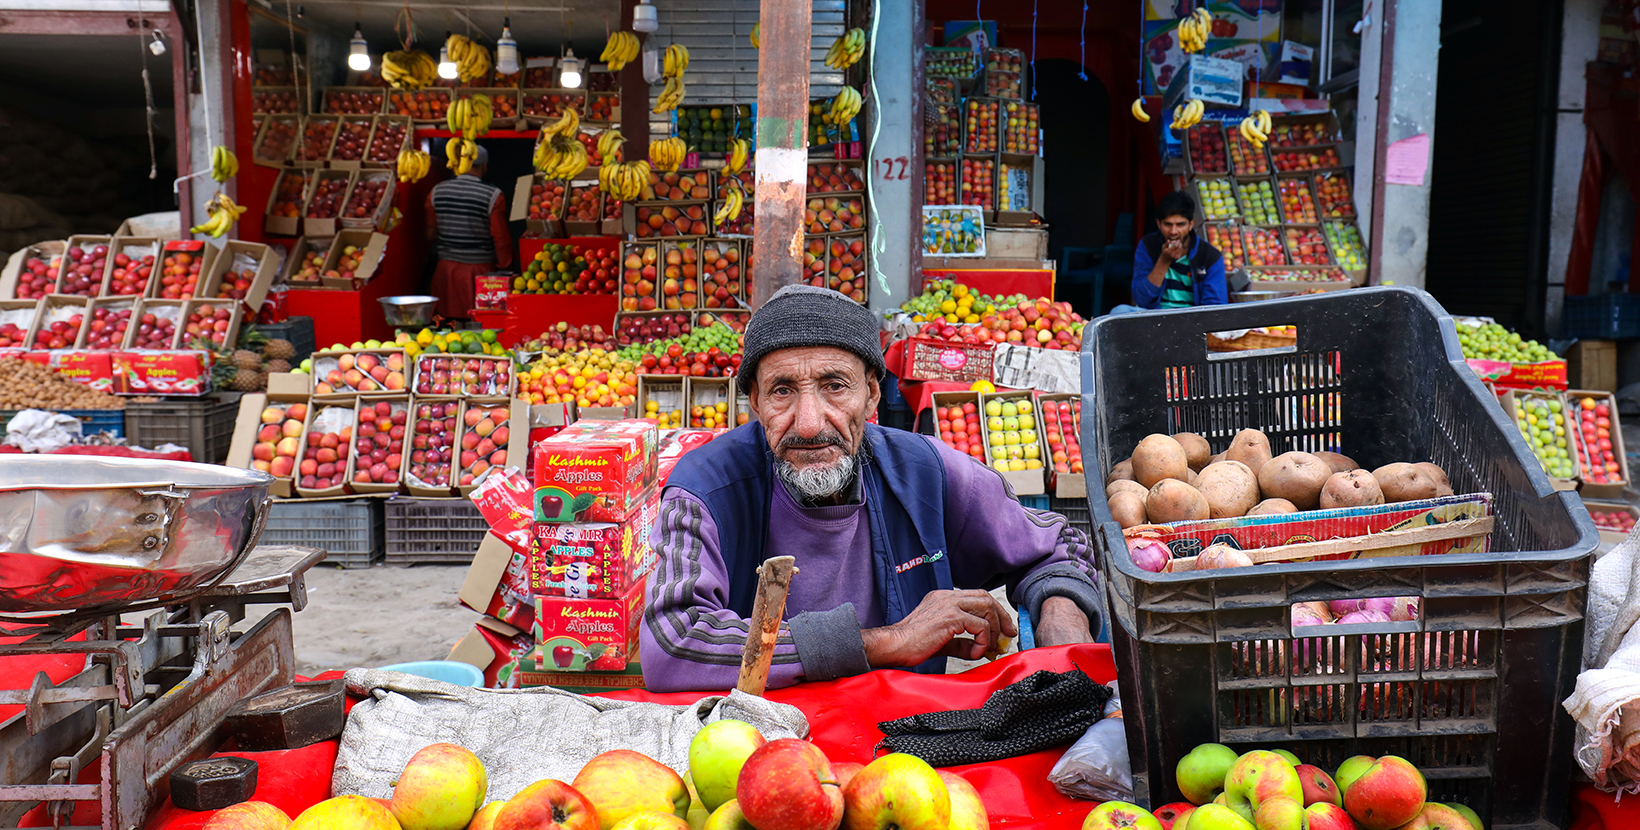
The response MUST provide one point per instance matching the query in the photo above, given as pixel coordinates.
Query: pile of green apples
(1494, 342)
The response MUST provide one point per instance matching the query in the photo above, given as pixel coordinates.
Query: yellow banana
(1265, 125)
(676, 61)
(757, 35)
(1138, 110)
(224, 165)
(609, 145)
(739, 151)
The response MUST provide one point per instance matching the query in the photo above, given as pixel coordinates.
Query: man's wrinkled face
(813, 403)
(1174, 228)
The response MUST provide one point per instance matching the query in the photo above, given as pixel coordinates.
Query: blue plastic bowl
(449, 671)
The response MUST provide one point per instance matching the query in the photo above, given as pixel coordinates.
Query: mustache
(824, 439)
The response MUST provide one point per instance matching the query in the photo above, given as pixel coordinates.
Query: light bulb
(446, 67)
(506, 50)
(358, 52)
(569, 71)
(644, 19)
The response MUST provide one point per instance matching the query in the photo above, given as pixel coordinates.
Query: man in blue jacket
(1175, 268)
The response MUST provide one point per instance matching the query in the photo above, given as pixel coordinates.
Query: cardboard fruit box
(327, 193)
(1612, 517)
(588, 634)
(255, 447)
(350, 372)
(287, 200)
(73, 276)
(663, 398)
(1061, 431)
(1014, 445)
(543, 219)
(42, 255)
(147, 335)
(1516, 403)
(435, 433)
(377, 456)
(16, 321)
(242, 271)
(493, 432)
(276, 140)
(306, 263)
(107, 321)
(600, 560)
(1592, 423)
(133, 268)
(172, 373)
(326, 442)
(61, 319)
(595, 471)
(353, 258)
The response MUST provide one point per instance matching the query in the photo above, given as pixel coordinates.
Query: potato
(1128, 509)
(1295, 476)
(1356, 488)
(1121, 472)
(1271, 507)
(1404, 482)
(1216, 459)
(1171, 500)
(1190, 477)
(1158, 457)
(1250, 447)
(1196, 450)
(1230, 489)
(1125, 485)
(1443, 485)
(1338, 462)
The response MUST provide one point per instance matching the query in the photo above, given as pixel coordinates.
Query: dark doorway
(1076, 149)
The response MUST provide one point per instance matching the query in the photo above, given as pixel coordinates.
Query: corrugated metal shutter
(722, 62)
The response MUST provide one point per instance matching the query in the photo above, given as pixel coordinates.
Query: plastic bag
(36, 430)
(1096, 766)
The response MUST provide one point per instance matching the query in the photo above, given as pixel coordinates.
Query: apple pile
(940, 183)
(347, 263)
(432, 444)
(664, 418)
(943, 137)
(1332, 193)
(279, 438)
(1299, 135)
(1062, 426)
(368, 372)
(367, 196)
(846, 266)
(423, 105)
(287, 199)
(677, 187)
(1598, 462)
(590, 377)
(157, 328)
(1217, 200)
(1296, 203)
(209, 324)
(1260, 202)
(671, 221)
(736, 321)
(638, 275)
(312, 266)
(978, 176)
(1002, 68)
(328, 439)
(350, 102)
(327, 198)
(589, 140)
(1228, 242)
(603, 107)
(483, 442)
(703, 277)
(1010, 431)
(387, 141)
(108, 327)
(59, 334)
(982, 126)
(706, 351)
(351, 141)
(834, 215)
(235, 285)
(179, 273)
(277, 140)
(1345, 240)
(710, 416)
(1207, 148)
(834, 178)
(1277, 791)
(1044, 324)
(1021, 132)
(1319, 160)
(1263, 247)
(583, 203)
(378, 449)
(273, 101)
(83, 271)
(959, 429)
(565, 337)
(449, 375)
(1247, 159)
(38, 277)
(1620, 521)
(130, 275)
(1306, 246)
(12, 334)
(552, 104)
(316, 138)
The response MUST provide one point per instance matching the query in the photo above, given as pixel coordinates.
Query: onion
(1364, 616)
(1149, 554)
(1404, 609)
(1305, 613)
(1222, 556)
(1340, 607)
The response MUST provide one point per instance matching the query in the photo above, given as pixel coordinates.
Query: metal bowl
(411, 310)
(80, 532)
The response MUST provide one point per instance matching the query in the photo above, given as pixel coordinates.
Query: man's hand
(1062, 623)
(933, 628)
(1171, 250)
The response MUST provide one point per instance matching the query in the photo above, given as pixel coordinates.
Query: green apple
(716, 755)
(899, 791)
(1469, 815)
(1213, 817)
(728, 817)
(1350, 770)
(1201, 773)
(1291, 758)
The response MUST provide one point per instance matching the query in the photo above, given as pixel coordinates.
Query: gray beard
(815, 483)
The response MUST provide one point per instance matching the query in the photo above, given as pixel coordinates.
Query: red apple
(788, 785)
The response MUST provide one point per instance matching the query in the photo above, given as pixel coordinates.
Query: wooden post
(774, 580)
(782, 147)
(634, 95)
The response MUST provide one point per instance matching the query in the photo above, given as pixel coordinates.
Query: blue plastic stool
(1027, 632)
(449, 671)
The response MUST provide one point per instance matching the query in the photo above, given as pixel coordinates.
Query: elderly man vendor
(898, 538)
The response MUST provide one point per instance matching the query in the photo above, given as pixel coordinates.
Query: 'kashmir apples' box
(588, 634)
(594, 559)
(595, 471)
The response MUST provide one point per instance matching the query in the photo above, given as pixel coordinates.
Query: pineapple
(247, 359)
(279, 350)
(276, 365)
(249, 380)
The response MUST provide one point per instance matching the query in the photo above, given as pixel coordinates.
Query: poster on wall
(977, 35)
(1245, 31)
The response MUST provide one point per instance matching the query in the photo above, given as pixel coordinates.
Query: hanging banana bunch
(460, 153)
(471, 59)
(1194, 30)
(222, 213)
(847, 49)
(610, 143)
(674, 62)
(567, 125)
(413, 165)
(224, 164)
(729, 211)
(624, 181)
(1187, 115)
(409, 69)
(667, 154)
(757, 35)
(740, 151)
(1256, 128)
(845, 105)
(1138, 109)
(470, 117)
(561, 157)
(621, 49)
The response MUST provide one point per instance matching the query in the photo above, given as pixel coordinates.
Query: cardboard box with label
(588, 634)
(173, 373)
(596, 471)
(593, 559)
(241, 271)
(353, 258)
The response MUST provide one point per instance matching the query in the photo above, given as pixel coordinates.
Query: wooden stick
(774, 580)
(1461, 529)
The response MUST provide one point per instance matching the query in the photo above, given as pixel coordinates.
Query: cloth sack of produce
(523, 735)
(1606, 700)
(36, 430)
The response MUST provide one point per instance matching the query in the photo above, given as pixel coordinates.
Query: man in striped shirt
(467, 219)
(1175, 268)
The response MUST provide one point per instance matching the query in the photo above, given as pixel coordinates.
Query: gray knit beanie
(804, 315)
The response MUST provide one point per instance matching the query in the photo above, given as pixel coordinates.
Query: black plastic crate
(1076, 512)
(348, 531)
(1601, 317)
(298, 330)
(428, 530)
(1470, 692)
(204, 425)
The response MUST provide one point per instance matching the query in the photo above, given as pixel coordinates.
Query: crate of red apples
(1592, 423)
(1614, 518)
